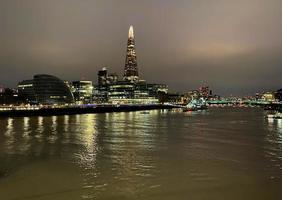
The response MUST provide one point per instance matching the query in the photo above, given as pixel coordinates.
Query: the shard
(130, 68)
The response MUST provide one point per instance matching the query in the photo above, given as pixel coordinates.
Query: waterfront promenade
(82, 109)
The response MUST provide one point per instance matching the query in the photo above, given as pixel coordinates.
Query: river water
(222, 153)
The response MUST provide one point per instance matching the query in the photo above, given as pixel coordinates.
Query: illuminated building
(100, 95)
(45, 89)
(269, 96)
(130, 68)
(121, 90)
(112, 78)
(205, 92)
(125, 92)
(279, 95)
(82, 91)
(131, 90)
(156, 89)
(8, 96)
(104, 81)
(26, 91)
(102, 77)
(175, 98)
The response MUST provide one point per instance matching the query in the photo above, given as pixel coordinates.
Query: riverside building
(8, 96)
(279, 95)
(130, 68)
(82, 91)
(45, 89)
(129, 90)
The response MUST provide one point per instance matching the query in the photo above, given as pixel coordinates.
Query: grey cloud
(234, 46)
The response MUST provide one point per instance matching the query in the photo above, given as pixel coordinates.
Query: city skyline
(183, 44)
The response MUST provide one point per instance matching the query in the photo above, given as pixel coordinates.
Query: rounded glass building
(48, 89)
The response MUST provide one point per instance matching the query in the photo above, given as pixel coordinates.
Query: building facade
(45, 89)
(279, 95)
(26, 91)
(102, 77)
(130, 68)
(269, 97)
(131, 90)
(9, 96)
(125, 92)
(82, 91)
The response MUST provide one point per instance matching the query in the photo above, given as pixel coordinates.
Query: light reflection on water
(9, 127)
(279, 125)
(231, 153)
(274, 151)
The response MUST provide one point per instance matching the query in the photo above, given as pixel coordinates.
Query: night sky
(234, 46)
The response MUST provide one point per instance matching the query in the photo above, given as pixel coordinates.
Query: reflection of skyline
(134, 153)
(113, 130)
(274, 138)
(25, 135)
(46, 135)
(118, 139)
(275, 125)
(279, 125)
(123, 142)
(275, 132)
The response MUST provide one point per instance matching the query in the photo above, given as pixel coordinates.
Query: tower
(130, 68)
(102, 76)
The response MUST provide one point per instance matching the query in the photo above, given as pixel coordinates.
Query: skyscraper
(102, 77)
(130, 69)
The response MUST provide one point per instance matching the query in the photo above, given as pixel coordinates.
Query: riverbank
(81, 110)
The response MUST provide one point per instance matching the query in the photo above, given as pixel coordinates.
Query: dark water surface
(217, 154)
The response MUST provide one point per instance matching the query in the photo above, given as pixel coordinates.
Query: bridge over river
(265, 104)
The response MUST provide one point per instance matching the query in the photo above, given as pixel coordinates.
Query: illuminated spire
(131, 69)
(131, 33)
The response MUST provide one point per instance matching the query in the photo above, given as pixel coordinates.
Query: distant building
(156, 89)
(100, 94)
(121, 90)
(102, 77)
(205, 92)
(125, 92)
(130, 68)
(82, 91)
(175, 98)
(269, 96)
(194, 94)
(279, 95)
(112, 78)
(257, 96)
(111, 90)
(45, 89)
(26, 91)
(131, 90)
(106, 79)
(8, 96)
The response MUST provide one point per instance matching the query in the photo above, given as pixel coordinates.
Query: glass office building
(82, 91)
(45, 89)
